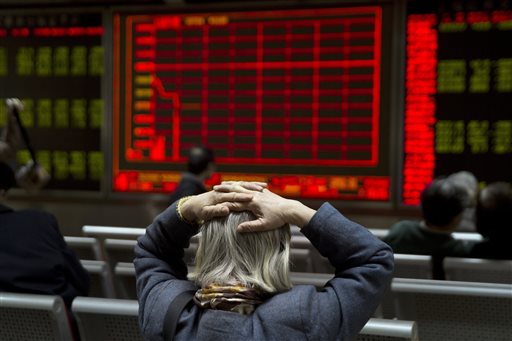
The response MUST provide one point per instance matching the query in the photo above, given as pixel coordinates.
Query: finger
(255, 186)
(235, 187)
(233, 197)
(209, 212)
(237, 206)
(251, 226)
(259, 184)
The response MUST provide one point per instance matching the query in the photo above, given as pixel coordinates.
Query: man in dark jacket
(200, 167)
(34, 258)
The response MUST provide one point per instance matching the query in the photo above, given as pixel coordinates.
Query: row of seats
(41, 317)
(303, 259)
(120, 252)
(103, 232)
(442, 310)
(405, 299)
(455, 268)
(114, 244)
(475, 311)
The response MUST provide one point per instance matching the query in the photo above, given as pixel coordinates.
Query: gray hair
(255, 259)
(467, 181)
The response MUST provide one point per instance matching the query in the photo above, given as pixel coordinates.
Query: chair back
(388, 330)
(119, 250)
(118, 232)
(448, 310)
(124, 274)
(478, 270)
(85, 247)
(33, 317)
(107, 319)
(413, 266)
(406, 266)
(101, 279)
(301, 260)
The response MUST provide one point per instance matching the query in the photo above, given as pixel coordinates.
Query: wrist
(184, 209)
(299, 214)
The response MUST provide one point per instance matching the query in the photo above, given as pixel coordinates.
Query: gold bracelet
(178, 210)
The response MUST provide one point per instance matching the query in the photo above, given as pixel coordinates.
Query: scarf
(236, 298)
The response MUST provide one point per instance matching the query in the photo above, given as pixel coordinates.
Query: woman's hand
(211, 204)
(272, 211)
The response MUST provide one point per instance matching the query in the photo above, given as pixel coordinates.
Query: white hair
(256, 259)
(466, 180)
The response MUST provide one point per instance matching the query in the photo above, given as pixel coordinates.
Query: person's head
(494, 211)
(201, 161)
(468, 182)
(7, 178)
(255, 259)
(442, 203)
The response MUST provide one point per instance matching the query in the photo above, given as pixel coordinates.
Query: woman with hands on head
(240, 285)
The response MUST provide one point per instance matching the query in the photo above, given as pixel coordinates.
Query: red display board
(458, 88)
(291, 97)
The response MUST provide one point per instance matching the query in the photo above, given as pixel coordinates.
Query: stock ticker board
(291, 97)
(54, 64)
(458, 104)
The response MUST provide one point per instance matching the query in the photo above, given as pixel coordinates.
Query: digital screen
(54, 64)
(458, 107)
(290, 97)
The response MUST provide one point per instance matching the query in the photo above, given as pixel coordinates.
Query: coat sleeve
(159, 266)
(363, 267)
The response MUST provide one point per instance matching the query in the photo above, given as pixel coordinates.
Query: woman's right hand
(271, 210)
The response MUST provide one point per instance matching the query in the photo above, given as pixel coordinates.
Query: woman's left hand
(211, 204)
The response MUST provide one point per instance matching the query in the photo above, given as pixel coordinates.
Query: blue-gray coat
(363, 266)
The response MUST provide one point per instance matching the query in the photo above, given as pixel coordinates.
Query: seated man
(200, 167)
(34, 257)
(493, 222)
(442, 205)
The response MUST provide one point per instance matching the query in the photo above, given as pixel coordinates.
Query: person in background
(240, 287)
(10, 137)
(200, 167)
(34, 258)
(30, 176)
(442, 206)
(493, 222)
(469, 183)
